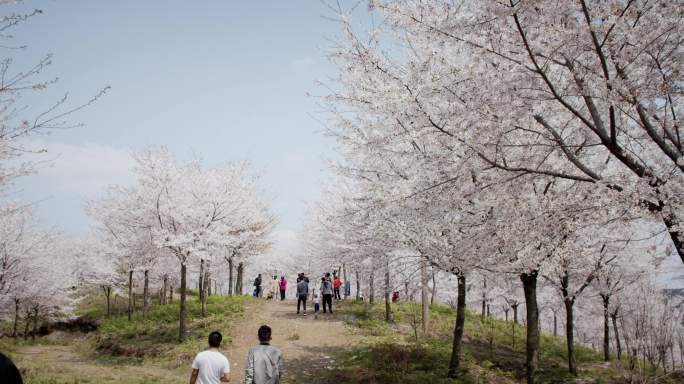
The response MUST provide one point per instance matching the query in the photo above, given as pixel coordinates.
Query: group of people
(329, 287)
(277, 286)
(264, 362)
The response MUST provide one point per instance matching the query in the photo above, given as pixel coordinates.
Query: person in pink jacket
(283, 287)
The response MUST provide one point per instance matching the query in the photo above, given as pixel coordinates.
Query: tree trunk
(207, 279)
(200, 281)
(515, 313)
(165, 284)
(606, 328)
(618, 347)
(181, 317)
(171, 294)
(16, 318)
(529, 281)
(424, 295)
(555, 324)
(27, 323)
(344, 276)
(35, 324)
(358, 286)
(146, 294)
(434, 287)
(455, 361)
(205, 289)
(238, 283)
(108, 294)
(371, 287)
(484, 298)
(570, 335)
(130, 294)
(230, 276)
(388, 303)
(506, 313)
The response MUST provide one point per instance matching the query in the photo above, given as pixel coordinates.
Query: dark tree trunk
(171, 294)
(434, 287)
(27, 323)
(16, 318)
(207, 279)
(424, 296)
(529, 281)
(146, 295)
(506, 313)
(130, 294)
(344, 276)
(108, 294)
(205, 289)
(238, 283)
(455, 361)
(484, 298)
(388, 302)
(35, 324)
(515, 313)
(165, 285)
(570, 335)
(358, 286)
(200, 281)
(371, 287)
(181, 317)
(606, 328)
(555, 324)
(618, 346)
(230, 276)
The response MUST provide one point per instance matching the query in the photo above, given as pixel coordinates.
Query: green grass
(493, 350)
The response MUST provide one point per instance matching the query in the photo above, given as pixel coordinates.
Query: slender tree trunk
(506, 313)
(371, 287)
(529, 281)
(238, 283)
(108, 294)
(171, 294)
(618, 347)
(484, 298)
(424, 295)
(200, 281)
(181, 317)
(606, 328)
(230, 276)
(358, 286)
(146, 294)
(388, 303)
(434, 287)
(555, 324)
(35, 324)
(207, 278)
(570, 335)
(130, 294)
(27, 323)
(165, 284)
(515, 313)
(455, 361)
(205, 289)
(344, 276)
(16, 318)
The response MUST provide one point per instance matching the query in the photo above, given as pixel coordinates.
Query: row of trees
(507, 141)
(178, 215)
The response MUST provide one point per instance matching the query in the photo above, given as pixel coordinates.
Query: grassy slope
(494, 350)
(137, 351)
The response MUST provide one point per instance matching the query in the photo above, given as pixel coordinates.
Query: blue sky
(223, 79)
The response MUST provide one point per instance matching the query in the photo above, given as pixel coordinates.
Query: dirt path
(307, 343)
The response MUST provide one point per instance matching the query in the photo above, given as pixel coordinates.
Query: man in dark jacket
(302, 293)
(257, 286)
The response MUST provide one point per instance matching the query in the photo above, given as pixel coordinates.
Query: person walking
(211, 366)
(337, 283)
(264, 362)
(302, 293)
(327, 292)
(257, 286)
(283, 287)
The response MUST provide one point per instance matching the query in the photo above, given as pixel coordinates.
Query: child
(317, 305)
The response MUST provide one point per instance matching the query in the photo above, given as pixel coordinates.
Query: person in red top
(337, 283)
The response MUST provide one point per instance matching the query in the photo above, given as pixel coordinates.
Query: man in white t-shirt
(210, 366)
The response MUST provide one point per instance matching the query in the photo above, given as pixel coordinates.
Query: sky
(224, 80)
